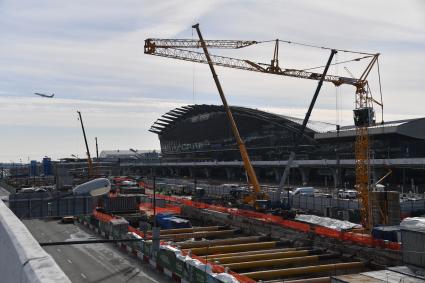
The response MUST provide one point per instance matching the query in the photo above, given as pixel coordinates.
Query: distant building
(47, 166)
(129, 155)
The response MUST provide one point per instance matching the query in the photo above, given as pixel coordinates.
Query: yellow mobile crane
(363, 112)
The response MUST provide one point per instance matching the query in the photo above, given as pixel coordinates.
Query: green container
(167, 259)
(147, 248)
(135, 245)
(104, 227)
(94, 222)
(181, 269)
(198, 275)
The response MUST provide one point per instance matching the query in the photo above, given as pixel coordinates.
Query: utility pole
(97, 149)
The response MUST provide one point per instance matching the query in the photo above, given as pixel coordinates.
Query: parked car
(67, 219)
(347, 194)
(27, 190)
(303, 191)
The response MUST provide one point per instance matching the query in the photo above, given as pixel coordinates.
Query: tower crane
(363, 112)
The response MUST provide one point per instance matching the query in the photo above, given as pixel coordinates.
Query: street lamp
(138, 156)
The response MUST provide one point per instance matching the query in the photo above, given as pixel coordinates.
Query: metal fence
(36, 206)
(410, 206)
(316, 203)
(46, 207)
(319, 204)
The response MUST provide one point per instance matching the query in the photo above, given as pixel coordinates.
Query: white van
(303, 191)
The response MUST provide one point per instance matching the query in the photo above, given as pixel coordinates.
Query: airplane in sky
(44, 95)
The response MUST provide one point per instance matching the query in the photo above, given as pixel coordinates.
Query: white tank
(94, 187)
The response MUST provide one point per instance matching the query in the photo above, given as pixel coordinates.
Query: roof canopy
(169, 119)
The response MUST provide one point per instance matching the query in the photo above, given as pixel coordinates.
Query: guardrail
(21, 257)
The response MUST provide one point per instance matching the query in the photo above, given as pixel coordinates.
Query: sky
(90, 54)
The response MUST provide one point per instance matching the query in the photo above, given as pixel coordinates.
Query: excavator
(363, 112)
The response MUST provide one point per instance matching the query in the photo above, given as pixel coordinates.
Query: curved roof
(414, 128)
(169, 119)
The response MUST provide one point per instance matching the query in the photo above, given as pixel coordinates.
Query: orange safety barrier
(136, 231)
(167, 209)
(145, 185)
(102, 216)
(361, 239)
(328, 232)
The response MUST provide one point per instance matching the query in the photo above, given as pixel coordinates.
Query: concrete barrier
(21, 257)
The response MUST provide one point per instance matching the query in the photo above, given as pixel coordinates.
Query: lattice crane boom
(175, 49)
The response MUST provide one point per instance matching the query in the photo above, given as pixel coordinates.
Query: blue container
(33, 168)
(47, 166)
(388, 233)
(169, 221)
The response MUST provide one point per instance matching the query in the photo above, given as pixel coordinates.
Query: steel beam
(233, 248)
(265, 256)
(211, 243)
(278, 262)
(279, 273)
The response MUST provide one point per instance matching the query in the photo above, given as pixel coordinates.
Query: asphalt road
(90, 262)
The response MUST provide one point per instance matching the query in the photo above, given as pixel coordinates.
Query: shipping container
(413, 246)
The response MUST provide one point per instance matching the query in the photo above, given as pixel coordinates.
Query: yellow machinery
(363, 113)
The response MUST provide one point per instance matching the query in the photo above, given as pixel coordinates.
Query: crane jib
(177, 49)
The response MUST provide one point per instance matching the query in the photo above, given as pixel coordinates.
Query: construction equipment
(305, 121)
(363, 112)
(383, 178)
(89, 161)
(252, 198)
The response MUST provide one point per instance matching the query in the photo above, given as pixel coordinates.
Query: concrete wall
(21, 257)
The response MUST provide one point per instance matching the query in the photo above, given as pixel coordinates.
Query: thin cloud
(91, 55)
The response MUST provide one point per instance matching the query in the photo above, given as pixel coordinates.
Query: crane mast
(363, 112)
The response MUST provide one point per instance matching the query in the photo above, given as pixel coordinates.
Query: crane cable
(324, 47)
(314, 46)
(193, 78)
(338, 63)
(337, 118)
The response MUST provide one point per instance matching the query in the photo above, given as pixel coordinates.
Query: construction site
(237, 194)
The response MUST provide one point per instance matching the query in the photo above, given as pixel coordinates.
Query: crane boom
(244, 154)
(171, 48)
(190, 43)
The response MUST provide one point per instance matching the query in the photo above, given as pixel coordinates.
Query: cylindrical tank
(385, 207)
(94, 187)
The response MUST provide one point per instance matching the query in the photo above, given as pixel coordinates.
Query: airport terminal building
(196, 134)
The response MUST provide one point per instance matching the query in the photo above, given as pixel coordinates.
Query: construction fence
(36, 206)
(356, 238)
(323, 205)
